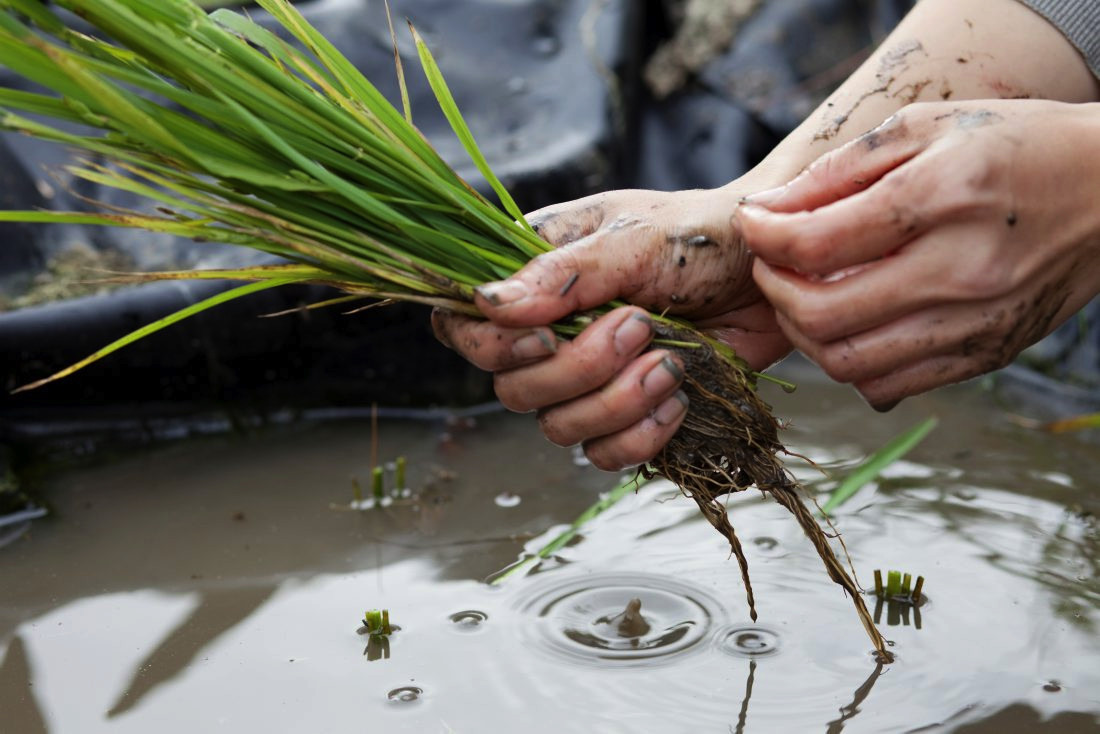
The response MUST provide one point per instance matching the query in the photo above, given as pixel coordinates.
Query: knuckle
(812, 319)
(812, 253)
(556, 430)
(510, 396)
(838, 364)
(602, 459)
(980, 276)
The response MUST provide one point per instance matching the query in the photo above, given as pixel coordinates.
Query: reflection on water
(211, 584)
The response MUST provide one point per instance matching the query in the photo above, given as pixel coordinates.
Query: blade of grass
(400, 68)
(458, 125)
(1076, 423)
(158, 325)
(876, 462)
(597, 509)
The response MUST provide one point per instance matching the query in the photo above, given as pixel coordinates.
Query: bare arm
(944, 50)
(644, 247)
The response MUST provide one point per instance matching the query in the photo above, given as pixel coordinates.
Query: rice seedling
(243, 138)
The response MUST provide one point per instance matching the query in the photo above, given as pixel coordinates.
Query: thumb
(578, 276)
(847, 170)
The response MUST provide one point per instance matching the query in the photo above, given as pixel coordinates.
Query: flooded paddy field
(217, 584)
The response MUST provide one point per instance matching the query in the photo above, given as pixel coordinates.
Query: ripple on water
(749, 642)
(469, 620)
(622, 620)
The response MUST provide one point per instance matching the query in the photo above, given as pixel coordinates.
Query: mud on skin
(891, 66)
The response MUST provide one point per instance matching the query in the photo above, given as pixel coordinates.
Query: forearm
(943, 50)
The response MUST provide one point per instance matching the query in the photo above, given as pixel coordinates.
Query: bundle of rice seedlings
(245, 139)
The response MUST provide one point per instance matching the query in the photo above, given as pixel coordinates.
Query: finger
(846, 170)
(856, 230)
(919, 276)
(914, 338)
(579, 276)
(562, 224)
(579, 366)
(640, 442)
(884, 392)
(636, 391)
(755, 336)
(489, 346)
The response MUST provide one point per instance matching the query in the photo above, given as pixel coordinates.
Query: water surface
(211, 585)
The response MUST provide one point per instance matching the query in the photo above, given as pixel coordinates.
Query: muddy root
(729, 442)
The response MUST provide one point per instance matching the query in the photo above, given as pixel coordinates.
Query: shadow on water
(20, 712)
(218, 611)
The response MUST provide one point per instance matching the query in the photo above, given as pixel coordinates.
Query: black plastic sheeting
(551, 89)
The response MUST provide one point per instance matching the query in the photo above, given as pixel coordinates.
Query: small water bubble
(469, 620)
(579, 459)
(516, 85)
(1052, 686)
(765, 543)
(546, 44)
(750, 642)
(405, 694)
(507, 499)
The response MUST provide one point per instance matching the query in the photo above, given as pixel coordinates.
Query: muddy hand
(662, 251)
(936, 247)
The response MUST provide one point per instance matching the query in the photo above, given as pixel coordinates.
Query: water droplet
(405, 694)
(546, 44)
(621, 619)
(507, 499)
(516, 85)
(765, 543)
(469, 620)
(750, 642)
(1052, 686)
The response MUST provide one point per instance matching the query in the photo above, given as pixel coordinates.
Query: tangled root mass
(729, 442)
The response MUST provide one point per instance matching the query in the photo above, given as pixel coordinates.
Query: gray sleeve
(1079, 22)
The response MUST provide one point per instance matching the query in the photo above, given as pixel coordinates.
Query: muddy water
(212, 585)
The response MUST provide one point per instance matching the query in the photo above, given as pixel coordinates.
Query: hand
(675, 251)
(936, 247)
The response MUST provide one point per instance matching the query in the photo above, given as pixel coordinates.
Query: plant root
(729, 442)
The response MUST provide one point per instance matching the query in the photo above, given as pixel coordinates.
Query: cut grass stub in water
(241, 138)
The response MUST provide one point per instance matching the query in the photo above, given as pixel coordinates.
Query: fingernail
(764, 198)
(503, 292)
(534, 345)
(633, 333)
(670, 411)
(662, 378)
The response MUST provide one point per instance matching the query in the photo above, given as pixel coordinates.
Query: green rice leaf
(458, 124)
(157, 325)
(400, 67)
(873, 465)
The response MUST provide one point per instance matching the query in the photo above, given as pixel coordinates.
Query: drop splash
(621, 620)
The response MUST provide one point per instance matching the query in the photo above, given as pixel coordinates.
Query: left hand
(936, 247)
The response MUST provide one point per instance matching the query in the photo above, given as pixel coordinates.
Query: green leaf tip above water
(873, 465)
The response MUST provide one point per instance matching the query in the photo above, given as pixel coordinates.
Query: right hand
(677, 252)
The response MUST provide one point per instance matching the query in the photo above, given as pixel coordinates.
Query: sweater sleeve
(1079, 22)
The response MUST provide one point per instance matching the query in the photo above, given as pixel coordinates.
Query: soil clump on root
(729, 442)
